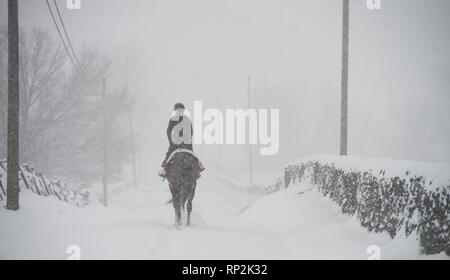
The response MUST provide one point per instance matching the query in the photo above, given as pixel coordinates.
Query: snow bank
(255, 189)
(398, 197)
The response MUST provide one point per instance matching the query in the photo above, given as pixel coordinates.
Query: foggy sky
(399, 76)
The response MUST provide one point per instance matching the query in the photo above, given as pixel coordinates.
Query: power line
(65, 32)
(60, 36)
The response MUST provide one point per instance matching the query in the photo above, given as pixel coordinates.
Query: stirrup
(200, 165)
(162, 173)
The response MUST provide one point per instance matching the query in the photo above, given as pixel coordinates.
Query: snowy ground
(226, 225)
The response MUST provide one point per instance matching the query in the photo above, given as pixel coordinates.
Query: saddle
(200, 164)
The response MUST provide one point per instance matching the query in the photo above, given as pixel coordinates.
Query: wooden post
(344, 80)
(13, 106)
(105, 148)
(133, 147)
(219, 156)
(250, 151)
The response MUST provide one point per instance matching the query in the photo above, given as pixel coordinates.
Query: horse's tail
(183, 202)
(185, 195)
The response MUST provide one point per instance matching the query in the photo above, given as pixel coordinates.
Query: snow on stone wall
(398, 197)
(34, 181)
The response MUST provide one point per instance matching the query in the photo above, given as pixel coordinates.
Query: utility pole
(219, 159)
(105, 147)
(140, 156)
(133, 146)
(344, 79)
(250, 151)
(13, 106)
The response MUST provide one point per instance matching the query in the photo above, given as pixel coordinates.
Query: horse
(182, 171)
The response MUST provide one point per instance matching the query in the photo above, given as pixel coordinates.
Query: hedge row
(381, 200)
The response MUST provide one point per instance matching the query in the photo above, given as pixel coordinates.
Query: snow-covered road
(226, 224)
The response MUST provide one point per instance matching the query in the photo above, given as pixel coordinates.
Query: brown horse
(183, 170)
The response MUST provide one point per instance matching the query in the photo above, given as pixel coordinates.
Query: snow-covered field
(298, 223)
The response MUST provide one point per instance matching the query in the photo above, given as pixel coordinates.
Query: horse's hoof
(188, 223)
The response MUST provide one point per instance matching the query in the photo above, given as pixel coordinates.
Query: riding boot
(163, 173)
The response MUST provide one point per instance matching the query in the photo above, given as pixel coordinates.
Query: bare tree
(62, 109)
(77, 133)
(41, 77)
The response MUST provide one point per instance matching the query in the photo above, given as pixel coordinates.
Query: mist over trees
(63, 109)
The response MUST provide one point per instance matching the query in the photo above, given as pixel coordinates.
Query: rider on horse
(179, 134)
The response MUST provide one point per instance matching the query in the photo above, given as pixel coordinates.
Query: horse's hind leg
(189, 204)
(184, 197)
(177, 208)
(183, 204)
